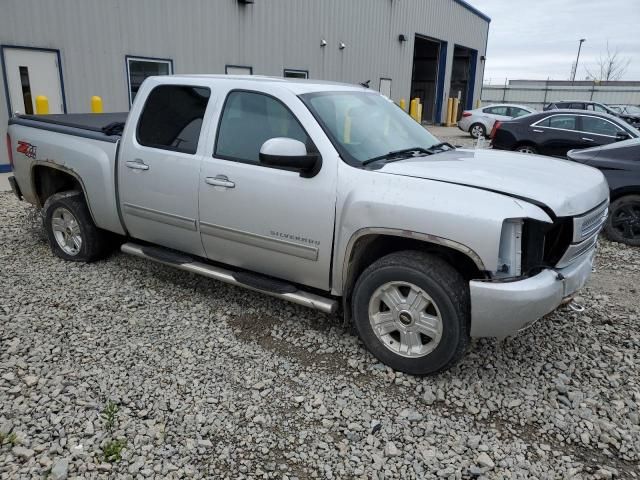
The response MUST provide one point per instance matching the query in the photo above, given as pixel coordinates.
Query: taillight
(9, 152)
(495, 128)
(466, 114)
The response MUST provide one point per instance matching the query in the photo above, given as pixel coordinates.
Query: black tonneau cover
(99, 126)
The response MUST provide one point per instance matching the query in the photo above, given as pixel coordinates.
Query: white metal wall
(537, 96)
(202, 36)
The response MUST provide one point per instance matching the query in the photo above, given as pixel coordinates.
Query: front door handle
(538, 131)
(587, 139)
(219, 181)
(136, 164)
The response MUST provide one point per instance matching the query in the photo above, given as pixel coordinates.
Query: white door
(31, 73)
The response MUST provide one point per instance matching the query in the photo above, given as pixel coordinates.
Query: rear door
(557, 134)
(159, 167)
(264, 219)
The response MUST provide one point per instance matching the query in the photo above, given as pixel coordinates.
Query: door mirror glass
(622, 136)
(290, 154)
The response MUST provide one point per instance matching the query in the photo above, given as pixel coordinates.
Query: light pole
(575, 68)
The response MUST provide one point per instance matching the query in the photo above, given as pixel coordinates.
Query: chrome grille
(590, 223)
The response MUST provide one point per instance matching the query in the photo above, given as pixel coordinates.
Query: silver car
(479, 122)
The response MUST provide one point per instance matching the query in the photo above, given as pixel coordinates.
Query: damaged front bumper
(499, 309)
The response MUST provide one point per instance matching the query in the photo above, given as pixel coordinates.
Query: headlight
(510, 251)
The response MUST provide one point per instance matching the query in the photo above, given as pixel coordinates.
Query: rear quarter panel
(91, 161)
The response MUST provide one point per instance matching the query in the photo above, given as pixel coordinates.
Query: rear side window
(565, 122)
(516, 112)
(248, 120)
(172, 118)
(599, 126)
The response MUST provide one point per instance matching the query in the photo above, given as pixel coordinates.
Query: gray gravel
(214, 381)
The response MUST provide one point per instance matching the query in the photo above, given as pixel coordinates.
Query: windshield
(631, 110)
(364, 126)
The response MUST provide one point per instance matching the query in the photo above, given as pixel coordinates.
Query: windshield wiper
(405, 152)
(410, 152)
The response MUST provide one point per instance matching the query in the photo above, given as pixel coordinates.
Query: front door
(265, 219)
(159, 167)
(30, 73)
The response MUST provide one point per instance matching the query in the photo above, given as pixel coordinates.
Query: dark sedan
(620, 164)
(555, 132)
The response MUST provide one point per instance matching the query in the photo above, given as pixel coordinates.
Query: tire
(70, 230)
(479, 128)
(526, 148)
(414, 275)
(623, 223)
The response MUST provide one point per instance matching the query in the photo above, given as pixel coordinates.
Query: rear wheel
(478, 130)
(411, 310)
(71, 233)
(623, 224)
(526, 148)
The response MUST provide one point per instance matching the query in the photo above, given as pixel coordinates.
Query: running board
(241, 279)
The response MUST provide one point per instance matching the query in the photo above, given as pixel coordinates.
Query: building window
(172, 118)
(291, 73)
(238, 70)
(385, 87)
(139, 68)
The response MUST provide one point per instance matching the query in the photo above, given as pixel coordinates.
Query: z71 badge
(26, 148)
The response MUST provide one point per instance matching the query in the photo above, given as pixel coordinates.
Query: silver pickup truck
(322, 194)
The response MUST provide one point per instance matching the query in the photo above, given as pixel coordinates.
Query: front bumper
(499, 309)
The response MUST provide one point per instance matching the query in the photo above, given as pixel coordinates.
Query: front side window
(138, 69)
(599, 126)
(564, 122)
(248, 120)
(172, 117)
(497, 111)
(363, 125)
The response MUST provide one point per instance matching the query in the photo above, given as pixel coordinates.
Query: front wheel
(623, 224)
(71, 233)
(478, 130)
(411, 310)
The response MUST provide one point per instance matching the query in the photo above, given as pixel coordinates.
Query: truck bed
(98, 126)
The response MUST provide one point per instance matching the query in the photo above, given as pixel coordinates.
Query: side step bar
(183, 262)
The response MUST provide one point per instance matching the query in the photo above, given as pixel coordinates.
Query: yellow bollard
(419, 113)
(449, 111)
(478, 103)
(96, 104)
(413, 109)
(42, 105)
(454, 116)
(403, 104)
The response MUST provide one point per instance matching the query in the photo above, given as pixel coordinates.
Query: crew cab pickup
(322, 194)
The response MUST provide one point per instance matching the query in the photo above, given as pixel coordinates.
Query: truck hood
(565, 187)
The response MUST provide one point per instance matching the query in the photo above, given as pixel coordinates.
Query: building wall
(537, 94)
(202, 36)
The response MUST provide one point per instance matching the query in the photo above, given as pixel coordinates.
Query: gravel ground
(129, 369)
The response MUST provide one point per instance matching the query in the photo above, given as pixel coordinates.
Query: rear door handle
(587, 139)
(136, 164)
(219, 181)
(538, 131)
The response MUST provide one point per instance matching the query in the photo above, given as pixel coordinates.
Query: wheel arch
(623, 192)
(369, 244)
(48, 179)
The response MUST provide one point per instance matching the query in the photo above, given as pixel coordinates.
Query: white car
(479, 122)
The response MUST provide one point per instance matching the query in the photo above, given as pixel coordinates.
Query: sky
(538, 39)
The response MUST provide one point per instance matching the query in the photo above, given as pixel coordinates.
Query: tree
(609, 66)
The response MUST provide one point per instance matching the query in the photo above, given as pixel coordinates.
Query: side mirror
(290, 154)
(622, 136)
